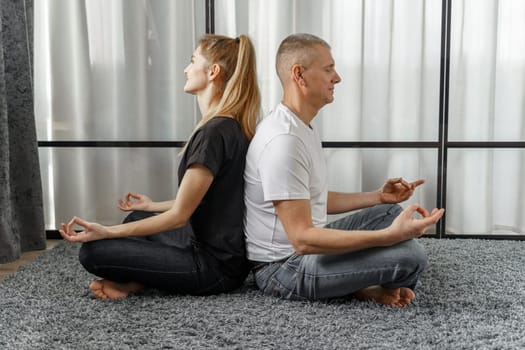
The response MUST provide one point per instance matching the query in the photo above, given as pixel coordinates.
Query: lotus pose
(193, 244)
(368, 255)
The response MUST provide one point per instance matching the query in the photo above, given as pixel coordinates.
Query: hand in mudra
(91, 231)
(398, 190)
(134, 201)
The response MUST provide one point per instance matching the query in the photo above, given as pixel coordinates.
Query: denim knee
(86, 256)
(419, 255)
(392, 209)
(415, 258)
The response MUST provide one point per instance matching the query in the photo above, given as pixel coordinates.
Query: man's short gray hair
(296, 49)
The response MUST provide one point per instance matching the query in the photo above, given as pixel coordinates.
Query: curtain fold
(487, 89)
(113, 71)
(21, 211)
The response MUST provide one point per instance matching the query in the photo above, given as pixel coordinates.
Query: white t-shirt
(285, 160)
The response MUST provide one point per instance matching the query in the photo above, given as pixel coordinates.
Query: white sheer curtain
(486, 192)
(111, 71)
(388, 55)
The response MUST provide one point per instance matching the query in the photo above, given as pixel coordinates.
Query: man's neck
(302, 110)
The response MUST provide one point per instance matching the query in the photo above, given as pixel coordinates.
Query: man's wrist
(378, 196)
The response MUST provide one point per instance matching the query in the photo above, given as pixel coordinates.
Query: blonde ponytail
(240, 98)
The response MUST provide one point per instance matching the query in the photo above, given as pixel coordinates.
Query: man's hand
(92, 231)
(134, 201)
(397, 190)
(406, 226)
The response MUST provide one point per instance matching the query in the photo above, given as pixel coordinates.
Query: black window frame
(442, 145)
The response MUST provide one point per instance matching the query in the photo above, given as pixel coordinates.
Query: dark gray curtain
(21, 212)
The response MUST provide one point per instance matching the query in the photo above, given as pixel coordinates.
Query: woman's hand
(398, 190)
(92, 231)
(406, 226)
(134, 201)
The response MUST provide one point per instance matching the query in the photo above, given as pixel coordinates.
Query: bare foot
(397, 297)
(106, 289)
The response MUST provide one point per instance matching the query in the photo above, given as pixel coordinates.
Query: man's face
(320, 77)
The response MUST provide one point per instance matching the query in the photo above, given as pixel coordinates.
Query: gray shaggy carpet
(472, 296)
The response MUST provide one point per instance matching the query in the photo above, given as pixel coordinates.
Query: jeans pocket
(279, 279)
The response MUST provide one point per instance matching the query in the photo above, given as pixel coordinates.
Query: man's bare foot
(106, 289)
(397, 297)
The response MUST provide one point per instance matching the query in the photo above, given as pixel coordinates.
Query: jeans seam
(342, 274)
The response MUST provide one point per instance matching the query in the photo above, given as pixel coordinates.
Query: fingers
(68, 233)
(125, 206)
(398, 180)
(424, 213)
(80, 222)
(404, 183)
(121, 204)
(437, 214)
(127, 203)
(430, 219)
(131, 195)
(415, 227)
(417, 183)
(64, 232)
(434, 216)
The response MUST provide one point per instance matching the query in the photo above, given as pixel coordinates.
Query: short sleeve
(206, 148)
(284, 169)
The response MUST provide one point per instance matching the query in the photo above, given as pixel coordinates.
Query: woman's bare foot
(106, 289)
(397, 297)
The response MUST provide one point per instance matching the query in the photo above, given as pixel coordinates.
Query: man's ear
(297, 74)
(214, 71)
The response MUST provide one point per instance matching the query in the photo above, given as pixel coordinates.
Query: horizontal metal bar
(326, 144)
(492, 237)
(114, 144)
(375, 144)
(487, 144)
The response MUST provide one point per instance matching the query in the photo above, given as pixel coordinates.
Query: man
(370, 255)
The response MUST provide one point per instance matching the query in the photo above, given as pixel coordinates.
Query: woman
(200, 249)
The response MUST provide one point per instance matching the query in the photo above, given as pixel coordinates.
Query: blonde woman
(193, 244)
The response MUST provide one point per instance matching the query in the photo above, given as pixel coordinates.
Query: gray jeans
(324, 276)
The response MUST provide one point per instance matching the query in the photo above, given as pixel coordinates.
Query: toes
(100, 294)
(407, 293)
(96, 285)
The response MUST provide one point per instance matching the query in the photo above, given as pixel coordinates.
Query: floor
(27, 257)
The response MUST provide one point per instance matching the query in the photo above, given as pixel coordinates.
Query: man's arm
(395, 190)
(339, 202)
(295, 216)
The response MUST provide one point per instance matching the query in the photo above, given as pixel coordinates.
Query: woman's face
(196, 73)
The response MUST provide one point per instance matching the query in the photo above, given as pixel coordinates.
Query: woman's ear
(214, 71)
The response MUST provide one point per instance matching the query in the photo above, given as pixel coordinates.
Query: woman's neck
(207, 101)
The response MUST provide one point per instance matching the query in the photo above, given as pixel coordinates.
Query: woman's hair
(237, 82)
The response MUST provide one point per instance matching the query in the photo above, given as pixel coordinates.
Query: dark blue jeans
(324, 276)
(168, 261)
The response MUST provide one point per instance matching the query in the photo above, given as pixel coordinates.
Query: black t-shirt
(220, 146)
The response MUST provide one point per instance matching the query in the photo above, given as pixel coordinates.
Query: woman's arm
(134, 201)
(193, 187)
